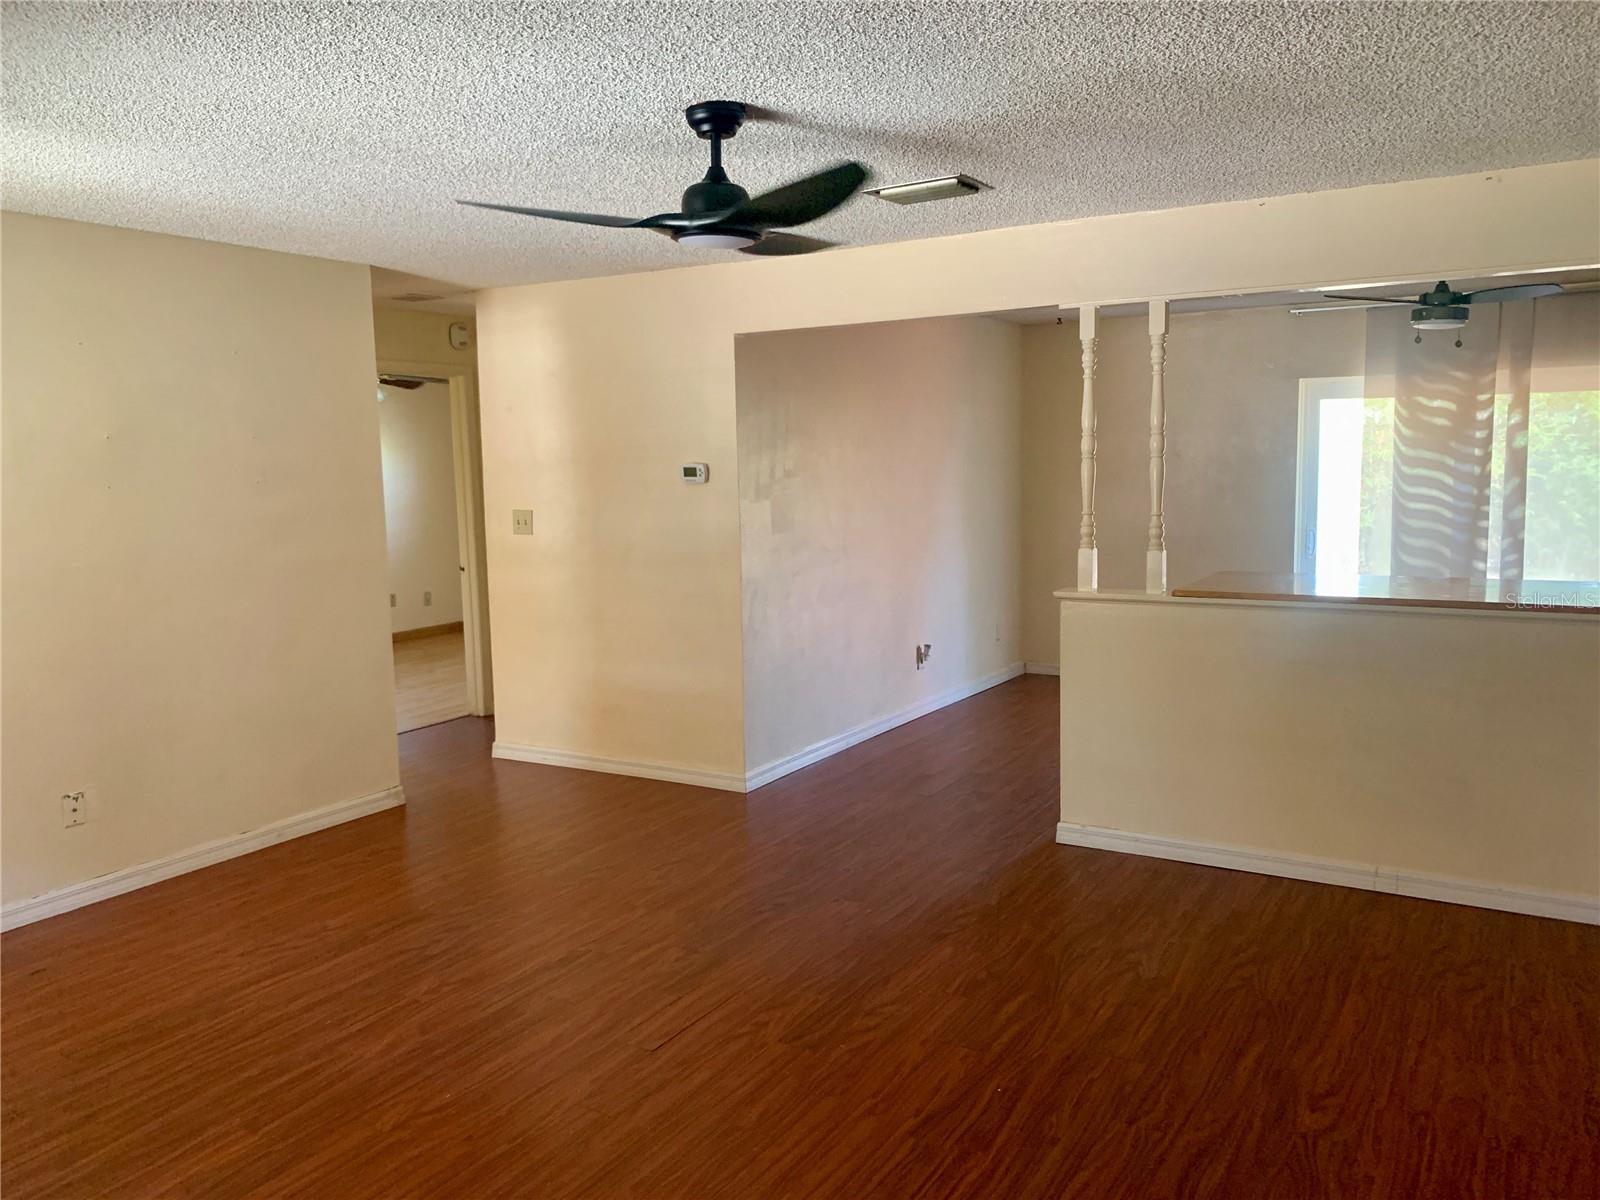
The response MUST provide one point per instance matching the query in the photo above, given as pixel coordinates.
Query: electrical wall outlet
(427, 599)
(522, 520)
(924, 651)
(74, 809)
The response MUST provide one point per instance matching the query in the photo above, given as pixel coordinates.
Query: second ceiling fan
(1445, 308)
(717, 213)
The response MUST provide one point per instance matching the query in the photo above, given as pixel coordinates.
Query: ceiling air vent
(945, 188)
(417, 297)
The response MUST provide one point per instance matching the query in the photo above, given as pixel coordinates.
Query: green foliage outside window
(1562, 524)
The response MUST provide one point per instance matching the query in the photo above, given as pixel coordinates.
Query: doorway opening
(431, 519)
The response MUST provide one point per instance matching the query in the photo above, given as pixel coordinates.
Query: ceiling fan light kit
(920, 192)
(718, 214)
(1451, 316)
(717, 241)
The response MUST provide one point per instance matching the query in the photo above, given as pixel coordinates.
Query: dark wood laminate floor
(876, 978)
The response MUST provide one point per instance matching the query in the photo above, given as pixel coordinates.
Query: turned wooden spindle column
(1088, 552)
(1155, 559)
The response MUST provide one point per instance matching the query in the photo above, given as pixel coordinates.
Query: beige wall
(408, 335)
(1233, 403)
(195, 626)
(880, 508)
(419, 505)
(618, 624)
(1426, 745)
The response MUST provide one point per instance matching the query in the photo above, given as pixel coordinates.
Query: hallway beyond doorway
(430, 679)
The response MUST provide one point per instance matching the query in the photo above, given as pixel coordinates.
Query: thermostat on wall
(696, 472)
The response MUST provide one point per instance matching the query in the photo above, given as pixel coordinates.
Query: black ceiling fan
(1445, 308)
(719, 214)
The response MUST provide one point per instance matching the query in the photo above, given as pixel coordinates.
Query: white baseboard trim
(77, 895)
(727, 782)
(828, 747)
(1041, 668)
(1564, 906)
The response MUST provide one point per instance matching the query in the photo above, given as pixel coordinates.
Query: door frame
(466, 444)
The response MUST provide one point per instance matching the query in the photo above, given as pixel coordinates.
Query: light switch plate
(522, 520)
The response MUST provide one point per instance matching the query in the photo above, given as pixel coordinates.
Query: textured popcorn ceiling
(345, 131)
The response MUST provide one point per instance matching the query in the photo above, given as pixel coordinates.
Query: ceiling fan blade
(555, 214)
(786, 243)
(1367, 299)
(1516, 291)
(801, 201)
(664, 222)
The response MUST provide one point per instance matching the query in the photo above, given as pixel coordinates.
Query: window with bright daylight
(1346, 484)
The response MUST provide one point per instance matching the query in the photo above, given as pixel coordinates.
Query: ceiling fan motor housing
(712, 195)
(1442, 295)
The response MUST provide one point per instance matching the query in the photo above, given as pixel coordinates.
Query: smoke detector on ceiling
(946, 187)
